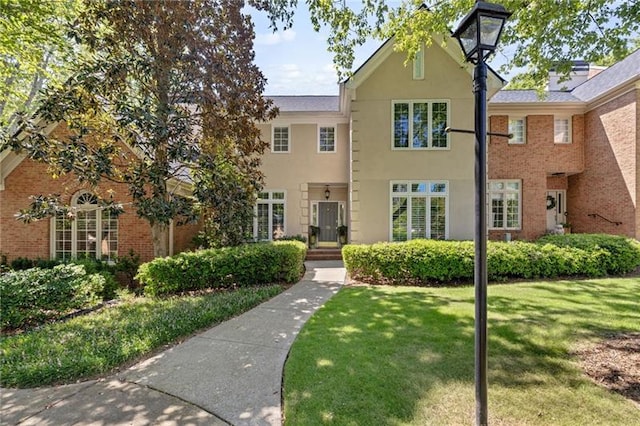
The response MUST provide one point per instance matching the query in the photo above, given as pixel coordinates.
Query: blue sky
(296, 62)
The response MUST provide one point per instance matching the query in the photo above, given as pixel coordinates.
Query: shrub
(242, 266)
(32, 296)
(297, 237)
(429, 262)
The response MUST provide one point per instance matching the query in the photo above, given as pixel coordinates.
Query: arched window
(90, 232)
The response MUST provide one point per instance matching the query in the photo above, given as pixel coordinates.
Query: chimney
(579, 74)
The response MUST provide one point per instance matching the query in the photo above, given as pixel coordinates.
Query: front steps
(324, 254)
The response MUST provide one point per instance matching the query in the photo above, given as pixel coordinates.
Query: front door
(328, 221)
(556, 208)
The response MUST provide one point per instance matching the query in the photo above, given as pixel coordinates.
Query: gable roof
(620, 73)
(306, 103)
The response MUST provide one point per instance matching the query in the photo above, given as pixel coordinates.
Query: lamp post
(478, 35)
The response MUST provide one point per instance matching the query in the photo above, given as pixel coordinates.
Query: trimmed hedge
(430, 262)
(33, 296)
(242, 266)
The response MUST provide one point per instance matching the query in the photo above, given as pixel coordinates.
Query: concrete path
(229, 374)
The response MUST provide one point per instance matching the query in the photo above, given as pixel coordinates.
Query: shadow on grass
(375, 355)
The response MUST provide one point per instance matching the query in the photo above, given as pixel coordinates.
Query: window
(420, 124)
(269, 223)
(90, 233)
(518, 128)
(505, 204)
(280, 139)
(418, 210)
(562, 130)
(327, 139)
(418, 65)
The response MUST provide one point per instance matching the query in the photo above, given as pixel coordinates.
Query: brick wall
(535, 164)
(608, 184)
(33, 240)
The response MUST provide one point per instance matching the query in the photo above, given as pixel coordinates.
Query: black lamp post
(478, 34)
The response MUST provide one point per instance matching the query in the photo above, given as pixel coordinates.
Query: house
(377, 159)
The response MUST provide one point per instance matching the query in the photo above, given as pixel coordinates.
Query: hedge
(33, 296)
(242, 266)
(430, 262)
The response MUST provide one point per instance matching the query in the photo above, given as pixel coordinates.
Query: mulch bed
(615, 364)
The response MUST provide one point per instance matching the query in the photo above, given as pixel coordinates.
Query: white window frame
(425, 194)
(270, 201)
(335, 137)
(514, 140)
(273, 139)
(412, 102)
(99, 229)
(569, 130)
(418, 64)
(504, 191)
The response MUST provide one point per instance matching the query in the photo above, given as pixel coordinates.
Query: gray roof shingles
(617, 74)
(306, 103)
(531, 96)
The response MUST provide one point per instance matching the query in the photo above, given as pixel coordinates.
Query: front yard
(404, 355)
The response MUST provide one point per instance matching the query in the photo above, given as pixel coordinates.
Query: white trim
(430, 103)
(504, 191)
(335, 138)
(270, 202)
(273, 131)
(514, 141)
(428, 194)
(569, 129)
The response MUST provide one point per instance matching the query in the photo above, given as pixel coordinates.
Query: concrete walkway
(229, 374)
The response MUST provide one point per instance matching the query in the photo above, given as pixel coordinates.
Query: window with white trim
(269, 223)
(562, 130)
(326, 139)
(418, 65)
(420, 124)
(505, 197)
(90, 232)
(419, 210)
(280, 139)
(518, 128)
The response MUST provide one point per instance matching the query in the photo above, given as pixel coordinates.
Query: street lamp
(478, 35)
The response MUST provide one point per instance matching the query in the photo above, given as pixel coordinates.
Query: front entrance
(328, 221)
(556, 208)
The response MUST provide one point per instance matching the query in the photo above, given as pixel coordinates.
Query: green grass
(100, 342)
(405, 356)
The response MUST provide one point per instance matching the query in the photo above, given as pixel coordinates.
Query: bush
(35, 295)
(242, 266)
(429, 262)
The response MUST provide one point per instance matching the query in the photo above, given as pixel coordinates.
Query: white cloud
(270, 39)
(301, 79)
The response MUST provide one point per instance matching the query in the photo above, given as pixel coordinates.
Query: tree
(172, 81)
(542, 33)
(34, 53)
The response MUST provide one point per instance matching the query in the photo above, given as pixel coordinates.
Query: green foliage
(127, 268)
(101, 341)
(242, 266)
(36, 295)
(429, 262)
(297, 237)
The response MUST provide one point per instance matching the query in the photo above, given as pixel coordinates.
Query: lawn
(404, 355)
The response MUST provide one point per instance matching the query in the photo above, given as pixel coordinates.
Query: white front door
(556, 208)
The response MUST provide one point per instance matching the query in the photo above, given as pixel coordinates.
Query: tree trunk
(160, 238)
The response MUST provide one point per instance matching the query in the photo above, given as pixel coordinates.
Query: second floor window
(420, 124)
(327, 141)
(518, 128)
(280, 141)
(562, 130)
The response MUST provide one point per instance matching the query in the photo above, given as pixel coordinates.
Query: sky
(296, 61)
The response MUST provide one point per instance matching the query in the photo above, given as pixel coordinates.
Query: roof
(306, 103)
(531, 96)
(617, 74)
